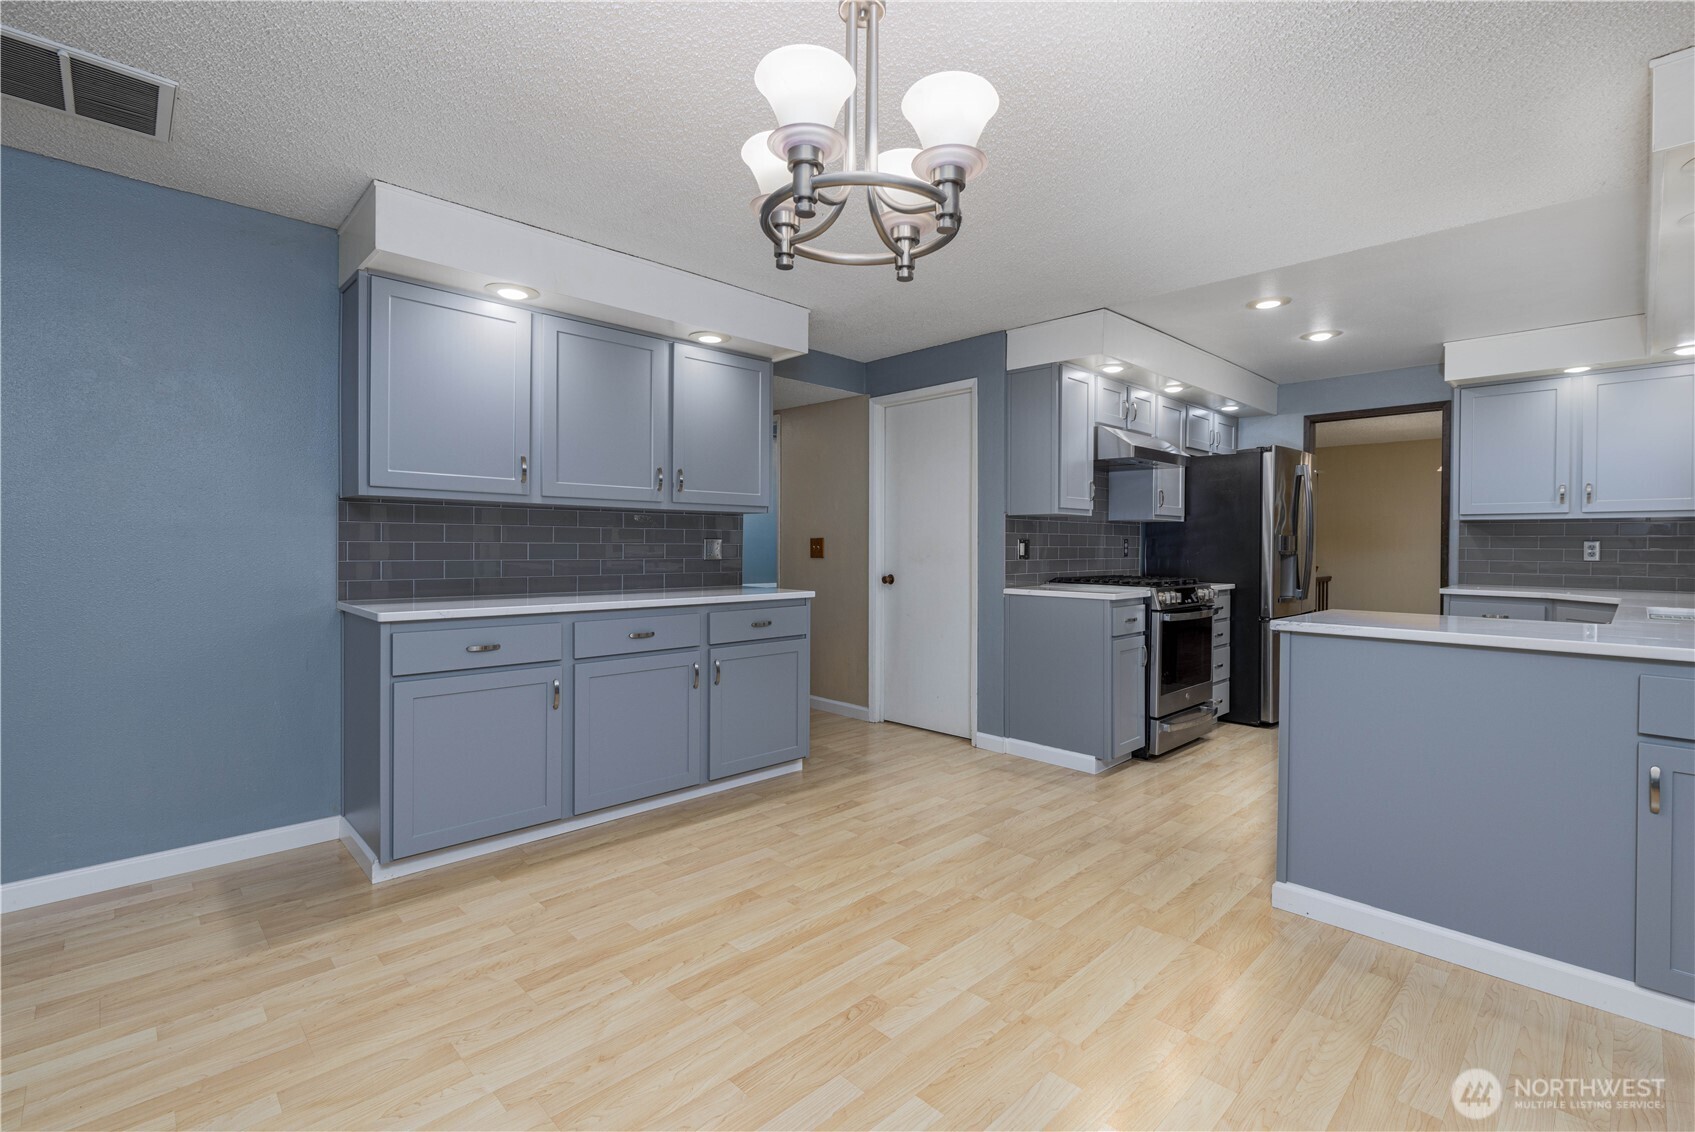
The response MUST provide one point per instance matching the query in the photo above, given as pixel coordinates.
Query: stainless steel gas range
(1180, 638)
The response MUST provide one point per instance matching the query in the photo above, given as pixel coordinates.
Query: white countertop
(1628, 637)
(1631, 603)
(454, 608)
(1095, 593)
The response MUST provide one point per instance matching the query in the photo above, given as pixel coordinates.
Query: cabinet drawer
(1587, 612)
(1129, 617)
(1497, 608)
(1221, 664)
(1221, 697)
(446, 650)
(1665, 705)
(651, 633)
(727, 625)
(1220, 630)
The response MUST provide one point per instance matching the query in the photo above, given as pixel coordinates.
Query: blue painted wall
(170, 659)
(1297, 400)
(983, 358)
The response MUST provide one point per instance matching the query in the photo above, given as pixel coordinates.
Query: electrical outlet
(1592, 551)
(714, 549)
(1127, 548)
(1023, 548)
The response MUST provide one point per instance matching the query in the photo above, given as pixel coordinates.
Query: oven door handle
(1187, 615)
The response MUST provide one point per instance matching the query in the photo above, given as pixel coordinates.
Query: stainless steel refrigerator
(1249, 521)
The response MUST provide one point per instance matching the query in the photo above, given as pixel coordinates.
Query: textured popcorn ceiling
(1141, 150)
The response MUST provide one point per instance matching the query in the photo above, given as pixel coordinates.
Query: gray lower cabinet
(637, 729)
(448, 397)
(476, 754)
(758, 713)
(1665, 869)
(1639, 442)
(1050, 462)
(1515, 449)
(1129, 696)
(720, 429)
(605, 412)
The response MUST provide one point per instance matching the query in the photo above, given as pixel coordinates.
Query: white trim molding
(1036, 752)
(837, 707)
(378, 872)
(1591, 988)
(150, 867)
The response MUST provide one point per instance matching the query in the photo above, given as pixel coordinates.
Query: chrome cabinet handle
(523, 469)
(761, 624)
(1653, 789)
(1562, 493)
(717, 674)
(679, 479)
(482, 648)
(641, 636)
(659, 476)
(1161, 497)
(1588, 493)
(1091, 491)
(556, 695)
(1135, 408)
(696, 683)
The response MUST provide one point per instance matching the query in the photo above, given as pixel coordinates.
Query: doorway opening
(1381, 478)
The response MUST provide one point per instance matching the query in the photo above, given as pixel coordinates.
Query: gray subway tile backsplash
(1636, 554)
(398, 549)
(1072, 544)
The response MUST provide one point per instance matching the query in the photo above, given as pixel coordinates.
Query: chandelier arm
(942, 240)
(823, 225)
(833, 202)
(877, 223)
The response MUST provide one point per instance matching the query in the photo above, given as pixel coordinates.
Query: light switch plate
(1023, 548)
(1592, 551)
(816, 548)
(714, 549)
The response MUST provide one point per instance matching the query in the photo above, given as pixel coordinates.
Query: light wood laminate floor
(911, 934)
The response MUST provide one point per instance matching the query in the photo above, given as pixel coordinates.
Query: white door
(923, 558)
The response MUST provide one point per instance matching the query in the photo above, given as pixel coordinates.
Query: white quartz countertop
(1626, 600)
(454, 608)
(1642, 638)
(1096, 593)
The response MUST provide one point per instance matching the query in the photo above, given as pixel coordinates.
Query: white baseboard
(378, 872)
(1053, 756)
(837, 707)
(36, 891)
(1591, 988)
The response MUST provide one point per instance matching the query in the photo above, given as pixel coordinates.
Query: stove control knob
(1203, 594)
(1167, 597)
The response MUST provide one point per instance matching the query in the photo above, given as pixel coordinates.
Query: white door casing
(924, 532)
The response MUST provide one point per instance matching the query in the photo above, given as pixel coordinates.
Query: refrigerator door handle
(1303, 530)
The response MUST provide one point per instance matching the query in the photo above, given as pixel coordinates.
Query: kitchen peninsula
(1517, 797)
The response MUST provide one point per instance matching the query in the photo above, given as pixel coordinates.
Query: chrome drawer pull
(696, 682)
(482, 648)
(556, 695)
(641, 636)
(762, 624)
(1653, 789)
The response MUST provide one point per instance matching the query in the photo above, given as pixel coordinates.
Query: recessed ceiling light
(1579, 369)
(1320, 335)
(1269, 303)
(515, 292)
(708, 337)
(1231, 406)
(1113, 368)
(1174, 387)
(1684, 349)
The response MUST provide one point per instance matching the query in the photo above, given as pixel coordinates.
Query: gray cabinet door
(1665, 870)
(1076, 441)
(1198, 431)
(1224, 434)
(1129, 695)
(1112, 402)
(1170, 419)
(1515, 448)
(1639, 442)
(759, 713)
(720, 429)
(476, 754)
(605, 412)
(638, 728)
(1168, 493)
(1142, 414)
(449, 392)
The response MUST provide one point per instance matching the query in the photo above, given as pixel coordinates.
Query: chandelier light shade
(911, 195)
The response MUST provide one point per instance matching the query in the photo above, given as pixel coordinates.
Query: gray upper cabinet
(605, 412)
(1170, 420)
(1112, 402)
(720, 429)
(476, 754)
(1639, 442)
(637, 729)
(758, 712)
(1198, 431)
(1129, 695)
(1224, 434)
(1515, 449)
(1145, 495)
(1142, 414)
(1665, 869)
(448, 398)
(1050, 467)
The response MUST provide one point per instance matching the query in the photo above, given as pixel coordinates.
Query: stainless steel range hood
(1117, 448)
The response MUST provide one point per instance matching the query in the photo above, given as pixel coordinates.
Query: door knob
(888, 579)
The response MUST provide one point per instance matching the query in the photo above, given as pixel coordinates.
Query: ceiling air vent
(62, 78)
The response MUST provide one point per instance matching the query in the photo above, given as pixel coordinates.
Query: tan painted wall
(1380, 525)
(824, 492)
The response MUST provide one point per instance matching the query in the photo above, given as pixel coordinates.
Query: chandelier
(912, 194)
